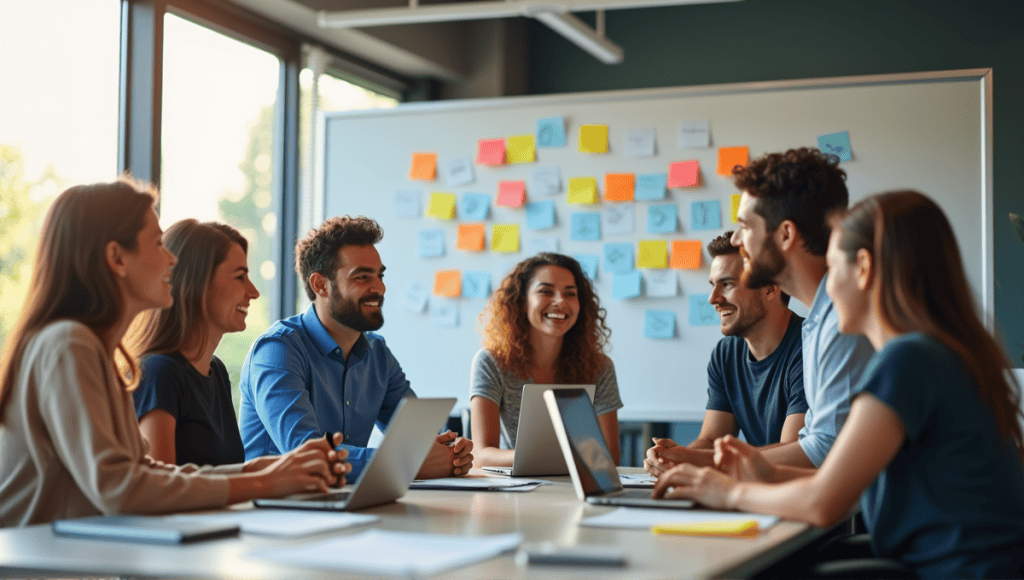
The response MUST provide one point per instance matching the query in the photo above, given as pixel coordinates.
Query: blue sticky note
(650, 187)
(476, 284)
(660, 324)
(662, 219)
(588, 263)
(540, 215)
(618, 258)
(551, 132)
(430, 243)
(837, 144)
(586, 226)
(706, 215)
(628, 285)
(702, 313)
(473, 207)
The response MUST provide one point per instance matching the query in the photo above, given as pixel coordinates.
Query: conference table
(549, 513)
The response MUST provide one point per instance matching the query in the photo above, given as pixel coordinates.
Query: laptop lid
(537, 451)
(406, 443)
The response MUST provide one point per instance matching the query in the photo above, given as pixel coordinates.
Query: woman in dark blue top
(932, 446)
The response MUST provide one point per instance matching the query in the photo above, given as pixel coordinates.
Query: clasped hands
(735, 461)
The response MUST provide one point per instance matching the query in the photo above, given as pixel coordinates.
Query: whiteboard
(928, 131)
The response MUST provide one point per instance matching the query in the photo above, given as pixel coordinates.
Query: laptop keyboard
(334, 496)
(635, 494)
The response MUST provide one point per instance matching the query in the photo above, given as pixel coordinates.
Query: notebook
(143, 529)
(590, 463)
(537, 450)
(387, 476)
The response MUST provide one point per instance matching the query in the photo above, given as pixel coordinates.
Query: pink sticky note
(491, 152)
(683, 173)
(511, 193)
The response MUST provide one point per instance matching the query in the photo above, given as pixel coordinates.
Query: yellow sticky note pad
(729, 157)
(593, 138)
(448, 283)
(685, 254)
(619, 186)
(582, 190)
(505, 238)
(442, 206)
(652, 254)
(727, 529)
(424, 165)
(734, 211)
(521, 149)
(471, 237)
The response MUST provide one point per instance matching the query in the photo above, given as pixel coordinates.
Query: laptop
(590, 463)
(409, 436)
(537, 451)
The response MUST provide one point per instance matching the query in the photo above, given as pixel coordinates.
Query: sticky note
(734, 207)
(729, 157)
(545, 181)
(837, 144)
(476, 284)
(471, 237)
(474, 207)
(413, 296)
(684, 173)
(442, 206)
(721, 529)
(640, 142)
(706, 215)
(521, 149)
(448, 283)
(542, 244)
(660, 324)
(424, 165)
(588, 263)
(618, 186)
(511, 193)
(685, 254)
(628, 285)
(618, 258)
(661, 283)
(702, 313)
(459, 172)
(582, 190)
(430, 243)
(540, 215)
(651, 186)
(407, 204)
(444, 312)
(593, 139)
(618, 219)
(505, 238)
(585, 226)
(491, 152)
(662, 218)
(551, 132)
(652, 254)
(694, 134)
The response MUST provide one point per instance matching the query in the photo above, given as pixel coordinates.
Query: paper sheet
(282, 523)
(477, 483)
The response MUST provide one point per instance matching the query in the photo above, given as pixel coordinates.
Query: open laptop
(590, 463)
(412, 430)
(537, 451)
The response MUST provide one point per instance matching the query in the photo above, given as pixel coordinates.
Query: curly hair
(801, 185)
(318, 250)
(507, 329)
(722, 246)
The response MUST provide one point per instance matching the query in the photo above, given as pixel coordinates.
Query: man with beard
(323, 371)
(755, 377)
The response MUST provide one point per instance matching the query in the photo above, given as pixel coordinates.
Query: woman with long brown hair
(544, 325)
(932, 446)
(69, 442)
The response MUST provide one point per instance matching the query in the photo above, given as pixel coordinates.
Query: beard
(761, 273)
(753, 313)
(348, 312)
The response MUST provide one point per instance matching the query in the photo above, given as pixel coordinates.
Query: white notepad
(281, 523)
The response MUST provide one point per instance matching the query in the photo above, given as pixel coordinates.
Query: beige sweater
(70, 444)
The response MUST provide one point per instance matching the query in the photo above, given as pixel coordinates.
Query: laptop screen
(589, 451)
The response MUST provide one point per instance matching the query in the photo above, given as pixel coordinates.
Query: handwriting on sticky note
(593, 139)
(663, 218)
(442, 206)
(652, 254)
(837, 144)
(685, 254)
(474, 207)
(511, 193)
(459, 172)
(540, 215)
(539, 244)
(617, 219)
(448, 283)
(659, 324)
(413, 296)
(444, 312)
(661, 283)
(585, 226)
(424, 165)
(407, 204)
(729, 157)
(545, 181)
(628, 285)
(491, 152)
(476, 284)
(694, 134)
(430, 243)
(470, 237)
(521, 149)
(702, 313)
(589, 264)
(582, 190)
(618, 186)
(651, 186)
(618, 258)
(684, 173)
(551, 132)
(706, 215)
(505, 238)
(640, 142)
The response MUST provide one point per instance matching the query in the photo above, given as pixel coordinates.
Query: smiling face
(739, 307)
(763, 261)
(229, 294)
(846, 286)
(146, 282)
(357, 290)
(552, 302)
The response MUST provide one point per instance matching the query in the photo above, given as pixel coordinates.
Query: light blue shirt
(833, 365)
(297, 385)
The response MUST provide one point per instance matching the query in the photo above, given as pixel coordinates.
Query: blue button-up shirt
(297, 385)
(833, 364)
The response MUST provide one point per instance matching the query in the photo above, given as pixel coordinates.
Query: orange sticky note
(442, 206)
(734, 210)
(582, 190)
(505, 238)
(685, 254)
(521, 149)
(424, 165)
(471, 237)
(652, 254)
(729, 157)
(448, 283)
(593, 138)
(491, 152)
(683, 173)
(618, 186)
(511, 193)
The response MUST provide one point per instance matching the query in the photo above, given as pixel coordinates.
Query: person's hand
(335, 456)
(704, 485)
(449, 455)
(742, 461)
(656, 461)
(305, 468)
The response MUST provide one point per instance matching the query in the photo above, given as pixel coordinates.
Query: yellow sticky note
(505, 238)
(593, 138)
(424, 165)
(448, 283)
(729, 529)
(521, 149)
(734, 211)
(582, 190)
(729, 157)
(471, 237)
(685, 254)
(652, 254)
(619, 186)
(442, 206)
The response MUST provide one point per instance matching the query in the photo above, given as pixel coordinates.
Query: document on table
(637, 479)
(645, 518)
(283, 523)
(479, 483)
(377, 552)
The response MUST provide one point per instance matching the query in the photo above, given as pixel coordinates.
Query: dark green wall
(761, 40)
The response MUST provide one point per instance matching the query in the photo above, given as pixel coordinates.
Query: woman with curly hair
(544, 325)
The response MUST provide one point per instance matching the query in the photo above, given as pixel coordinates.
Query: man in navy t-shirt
(755, 376)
